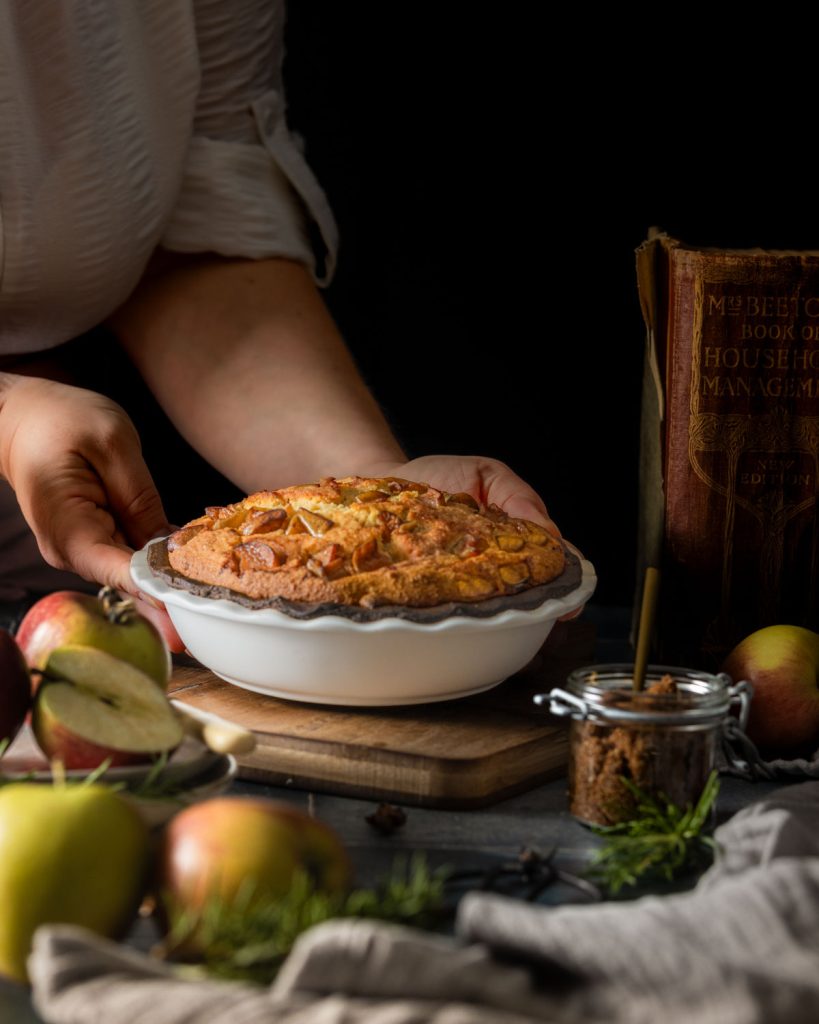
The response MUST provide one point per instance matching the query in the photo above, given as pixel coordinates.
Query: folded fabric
(741, 948)
(341, 972)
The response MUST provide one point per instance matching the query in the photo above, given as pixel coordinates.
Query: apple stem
(58, 772)
(118, 610)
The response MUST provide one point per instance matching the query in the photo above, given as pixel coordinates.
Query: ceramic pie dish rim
(225, 609)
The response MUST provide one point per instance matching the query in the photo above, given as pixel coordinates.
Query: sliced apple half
(92, 707)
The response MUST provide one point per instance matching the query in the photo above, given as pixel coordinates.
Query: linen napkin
(741, 948)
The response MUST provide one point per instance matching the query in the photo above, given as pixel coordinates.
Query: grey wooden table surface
(538, 818)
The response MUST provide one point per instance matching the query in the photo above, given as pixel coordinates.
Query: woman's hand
(74, 460)
(488, 480)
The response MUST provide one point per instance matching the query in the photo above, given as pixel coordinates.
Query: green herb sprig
(249, 940)
(157, 787)
(660, 842)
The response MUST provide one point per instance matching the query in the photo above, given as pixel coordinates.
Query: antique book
(730, 446)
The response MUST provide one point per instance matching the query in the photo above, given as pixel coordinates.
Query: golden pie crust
(360, 543)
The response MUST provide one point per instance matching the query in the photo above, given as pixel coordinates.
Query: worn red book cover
(730, 442)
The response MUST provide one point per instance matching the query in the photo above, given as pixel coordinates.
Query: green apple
(230, 846)
(92, 707)
(15, 687)
(68, 854)
(782, 664)
(107, 621)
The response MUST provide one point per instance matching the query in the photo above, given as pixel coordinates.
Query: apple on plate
(231, 848)
(107, 621)
(782, 664)
(15, 687)
(91, 707)
(68, 854)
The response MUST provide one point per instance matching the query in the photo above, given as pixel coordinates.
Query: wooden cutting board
(460, 754)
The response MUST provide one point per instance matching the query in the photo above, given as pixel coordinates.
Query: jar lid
(604, 693)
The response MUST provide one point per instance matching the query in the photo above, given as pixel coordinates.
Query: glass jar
(663, 738)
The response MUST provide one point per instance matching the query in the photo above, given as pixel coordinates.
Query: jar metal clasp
(562, 703)
(740, 695)
(738, 751)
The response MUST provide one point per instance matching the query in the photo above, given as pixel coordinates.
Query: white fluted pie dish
(332, 659)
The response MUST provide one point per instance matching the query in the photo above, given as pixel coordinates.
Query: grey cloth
(742, 948)
(343, 971)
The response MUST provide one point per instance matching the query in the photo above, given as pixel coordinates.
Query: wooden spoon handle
(218, 734)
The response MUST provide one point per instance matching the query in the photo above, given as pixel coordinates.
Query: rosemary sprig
(155, 787)
(152, 787)
(249, 940)
(662, 841)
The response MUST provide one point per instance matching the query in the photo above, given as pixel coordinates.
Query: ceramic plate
(24, 759)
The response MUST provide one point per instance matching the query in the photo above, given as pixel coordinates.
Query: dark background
(491, 180)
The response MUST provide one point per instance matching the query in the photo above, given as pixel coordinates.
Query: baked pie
(361, 545)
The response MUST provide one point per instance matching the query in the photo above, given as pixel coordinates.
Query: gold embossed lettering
(711, 355)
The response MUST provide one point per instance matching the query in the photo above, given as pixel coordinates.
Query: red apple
(227, 846)
(91, 707)
(107, 622)
(782, 663)
(15, 687)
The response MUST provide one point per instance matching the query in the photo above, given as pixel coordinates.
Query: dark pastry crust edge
(524, 600)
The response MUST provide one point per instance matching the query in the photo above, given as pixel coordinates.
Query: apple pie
(360, 545)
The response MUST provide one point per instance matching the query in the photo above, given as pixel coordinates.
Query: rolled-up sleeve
(246, 189)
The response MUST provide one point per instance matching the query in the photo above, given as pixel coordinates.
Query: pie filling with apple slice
(362, 545)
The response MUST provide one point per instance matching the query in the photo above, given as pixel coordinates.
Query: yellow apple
(68, 854)
(782, 664)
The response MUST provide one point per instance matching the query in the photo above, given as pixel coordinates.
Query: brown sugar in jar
(662, 739)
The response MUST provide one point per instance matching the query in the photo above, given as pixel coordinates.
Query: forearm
(248, 364)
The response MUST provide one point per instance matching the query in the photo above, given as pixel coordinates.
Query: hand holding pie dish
(383, 570)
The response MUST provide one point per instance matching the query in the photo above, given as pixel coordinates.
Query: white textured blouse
(131, 124)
